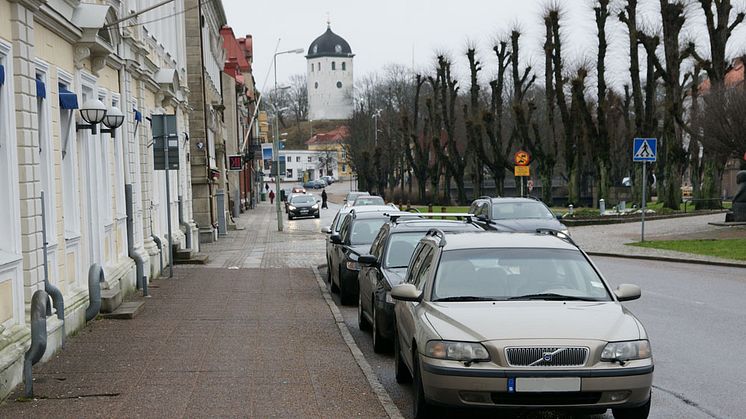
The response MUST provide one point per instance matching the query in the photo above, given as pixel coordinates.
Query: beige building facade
(56, 56)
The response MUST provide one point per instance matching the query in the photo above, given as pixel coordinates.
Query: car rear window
(504, 273)
(364, 231)
(401, 247)
(520, 210)
(369, 200)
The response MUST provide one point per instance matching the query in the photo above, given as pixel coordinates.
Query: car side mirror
(406, 292)
(326, 230)
(559, 217)
(627, 292)
(368, 260)
(335, 238)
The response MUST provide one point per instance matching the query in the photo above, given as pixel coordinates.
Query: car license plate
(540, 384)
(304, 211)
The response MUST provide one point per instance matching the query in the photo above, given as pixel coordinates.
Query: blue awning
(41, 89)
(138, 115)
(2, 75)
(68, 99)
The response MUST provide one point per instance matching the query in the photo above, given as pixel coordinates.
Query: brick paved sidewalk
(248, 335)
(210, 342)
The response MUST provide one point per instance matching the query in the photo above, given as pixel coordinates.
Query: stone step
(110, 300)
(127, 310)
(183, 253)
(196, 259)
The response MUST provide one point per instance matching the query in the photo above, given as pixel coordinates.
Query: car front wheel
(640, 412)
(379, 342)
(401, 373)
(362, 322)
(421, 408)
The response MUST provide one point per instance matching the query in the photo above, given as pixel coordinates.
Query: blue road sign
(645, 149)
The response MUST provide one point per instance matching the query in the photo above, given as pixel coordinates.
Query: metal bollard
(570, 210)
(39, 302)
(601, 206)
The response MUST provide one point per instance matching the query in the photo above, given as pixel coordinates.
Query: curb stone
(383, 397)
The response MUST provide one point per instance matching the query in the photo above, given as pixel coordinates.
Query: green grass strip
(726, 248)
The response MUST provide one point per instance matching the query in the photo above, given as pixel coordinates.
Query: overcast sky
(410, 31)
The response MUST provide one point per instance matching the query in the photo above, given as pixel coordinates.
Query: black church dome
(329, 44)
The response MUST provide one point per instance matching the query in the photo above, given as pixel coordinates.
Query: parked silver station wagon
(512, 320)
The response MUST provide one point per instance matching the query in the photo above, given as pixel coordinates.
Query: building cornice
(58, 24)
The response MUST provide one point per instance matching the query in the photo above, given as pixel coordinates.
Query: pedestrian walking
(323, 199)
(271, 197)
(266, 187)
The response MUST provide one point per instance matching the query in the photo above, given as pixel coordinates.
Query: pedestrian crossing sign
(645, 150)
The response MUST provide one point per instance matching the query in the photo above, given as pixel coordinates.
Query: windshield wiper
(552, 296)
(464, 298)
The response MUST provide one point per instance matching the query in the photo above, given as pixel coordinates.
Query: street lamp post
(276, 142)
(376, 116)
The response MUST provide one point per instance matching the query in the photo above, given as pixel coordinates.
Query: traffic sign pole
(644, 200)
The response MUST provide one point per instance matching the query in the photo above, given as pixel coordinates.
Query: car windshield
(401, 247)
(364, 231)
(369, 200)
(515, 274)
(303, 199)
(520, 210)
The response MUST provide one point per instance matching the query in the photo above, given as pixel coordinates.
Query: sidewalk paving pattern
(259, 341)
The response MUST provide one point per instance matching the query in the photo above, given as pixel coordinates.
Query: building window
(319, 66)
(344, 66)
(310, 159)
(10, 250)
(344, 167)
(339, 85)
(297, 159)
(289, 173)
(334, 65)
(70, 203)
(316, 85)
(312, 67)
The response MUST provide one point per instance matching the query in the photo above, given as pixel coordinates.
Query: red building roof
(734, 77)
(335, 136)
(235, 57)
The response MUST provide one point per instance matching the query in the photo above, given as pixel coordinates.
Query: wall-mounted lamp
(94, 112)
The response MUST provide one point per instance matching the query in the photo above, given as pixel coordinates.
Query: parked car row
(480, 318)
(319, 183)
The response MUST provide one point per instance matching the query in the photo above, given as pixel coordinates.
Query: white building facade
(329, 78)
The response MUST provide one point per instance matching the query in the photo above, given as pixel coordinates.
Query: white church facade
(330, 78)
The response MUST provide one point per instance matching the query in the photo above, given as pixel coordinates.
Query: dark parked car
(303, 206)
(359, 228)
(515, 215)
(334, 229)
(386, 267)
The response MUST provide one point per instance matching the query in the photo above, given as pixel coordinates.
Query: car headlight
(457, 351)
(291, 208)
(352, 265)
(565, 231)
(315, 206)
(626, 351)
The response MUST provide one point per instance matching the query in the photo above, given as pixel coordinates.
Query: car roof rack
(436, 232)
(557, 233)
(395, 216)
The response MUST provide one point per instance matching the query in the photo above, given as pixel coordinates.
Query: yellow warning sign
(522, 171)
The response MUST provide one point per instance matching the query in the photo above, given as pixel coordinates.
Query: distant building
(333, 141)
(329, 78)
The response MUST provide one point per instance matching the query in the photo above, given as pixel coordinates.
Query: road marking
(370, 375)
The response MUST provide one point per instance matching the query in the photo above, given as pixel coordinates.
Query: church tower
(329, 75)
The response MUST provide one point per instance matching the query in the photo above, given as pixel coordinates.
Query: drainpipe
(52, 291)
(39, 304)
(95, 278)
(182, 223)
(141, 279)
(158, 243)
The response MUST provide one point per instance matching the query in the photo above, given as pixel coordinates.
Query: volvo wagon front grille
(557, 356)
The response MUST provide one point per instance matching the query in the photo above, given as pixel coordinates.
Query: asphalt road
(694, 315)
